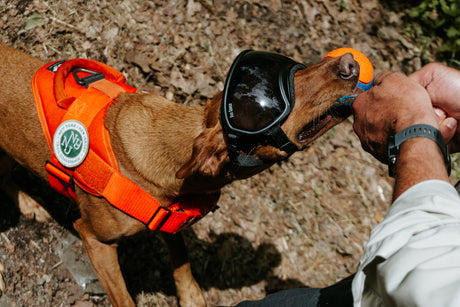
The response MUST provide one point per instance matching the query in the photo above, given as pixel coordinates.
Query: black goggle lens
(254, 103)
(259, 90)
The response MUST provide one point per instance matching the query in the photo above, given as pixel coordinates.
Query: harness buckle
(86, 81)
(59, 173)
(159, 218)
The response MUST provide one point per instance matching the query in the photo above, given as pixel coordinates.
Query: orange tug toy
(72, 98)
(366, 71)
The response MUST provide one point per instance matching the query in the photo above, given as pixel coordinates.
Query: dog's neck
(154, 138)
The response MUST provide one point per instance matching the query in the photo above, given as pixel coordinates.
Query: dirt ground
(302, 223)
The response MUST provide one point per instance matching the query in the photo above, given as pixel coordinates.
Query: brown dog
(183, 151)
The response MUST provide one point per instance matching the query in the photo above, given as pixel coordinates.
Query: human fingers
(378, 79)
(394, 103)
(440, 114)
(371, 121)
(448, 129)
(396, 100)
(443, 85)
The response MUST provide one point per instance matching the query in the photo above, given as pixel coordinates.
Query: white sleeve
(413, 256)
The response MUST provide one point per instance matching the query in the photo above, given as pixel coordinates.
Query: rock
(79, 266)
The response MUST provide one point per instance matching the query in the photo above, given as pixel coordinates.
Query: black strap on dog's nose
(278, 139)
(281, 140)
(239, 159)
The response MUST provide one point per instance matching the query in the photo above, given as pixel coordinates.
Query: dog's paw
(31, 209)
(188, 290)
(2, 282)
(192, 299)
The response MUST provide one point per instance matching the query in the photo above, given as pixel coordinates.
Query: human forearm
(419, 159)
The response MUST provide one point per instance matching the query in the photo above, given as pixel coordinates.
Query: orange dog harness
(72, 98)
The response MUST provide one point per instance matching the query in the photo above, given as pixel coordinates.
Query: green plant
(36, 20)
(440, 18)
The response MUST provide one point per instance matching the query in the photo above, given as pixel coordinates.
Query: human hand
(443, 85)
(394, 102)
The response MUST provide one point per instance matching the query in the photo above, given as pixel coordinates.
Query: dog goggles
(257, 99)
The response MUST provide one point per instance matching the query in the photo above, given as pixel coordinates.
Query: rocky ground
(301, 223)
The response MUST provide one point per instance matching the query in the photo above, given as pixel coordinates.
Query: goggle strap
(241, 160)
(281, 140)
(289, 83)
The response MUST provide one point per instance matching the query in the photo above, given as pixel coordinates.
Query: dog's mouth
(338, 112)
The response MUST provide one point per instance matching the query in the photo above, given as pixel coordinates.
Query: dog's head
(263, 139)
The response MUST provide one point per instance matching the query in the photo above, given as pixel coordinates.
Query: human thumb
(448, 127)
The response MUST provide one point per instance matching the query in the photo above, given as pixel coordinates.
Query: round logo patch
(71, 143)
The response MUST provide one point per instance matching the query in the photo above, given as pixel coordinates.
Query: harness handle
(66, 68)
(86, 81)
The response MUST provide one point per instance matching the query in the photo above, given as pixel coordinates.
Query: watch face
(391, 166)
(393, 151)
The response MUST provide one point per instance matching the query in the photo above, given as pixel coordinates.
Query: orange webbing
(111, 89)
(64, 70)
(123, 194)
(90, 109)
(59, 179)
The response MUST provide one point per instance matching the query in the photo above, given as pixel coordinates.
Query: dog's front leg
(187, 288)
(104, 259)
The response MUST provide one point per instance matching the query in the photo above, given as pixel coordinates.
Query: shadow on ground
(229, 261)
(10, 214)
(226, 261)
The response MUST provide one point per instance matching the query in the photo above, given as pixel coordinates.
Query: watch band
(395, 141)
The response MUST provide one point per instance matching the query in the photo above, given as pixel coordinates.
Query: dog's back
(20, 130)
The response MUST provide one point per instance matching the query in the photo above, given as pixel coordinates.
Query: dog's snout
(348, 67)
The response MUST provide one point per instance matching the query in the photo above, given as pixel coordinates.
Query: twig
(65, 24)
(56, 265)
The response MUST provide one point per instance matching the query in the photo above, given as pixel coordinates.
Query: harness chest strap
(98, 174)
(136, 202)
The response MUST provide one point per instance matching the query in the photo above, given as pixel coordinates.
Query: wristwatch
(395, 141)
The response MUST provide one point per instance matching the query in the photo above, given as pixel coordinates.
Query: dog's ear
(208, 156)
